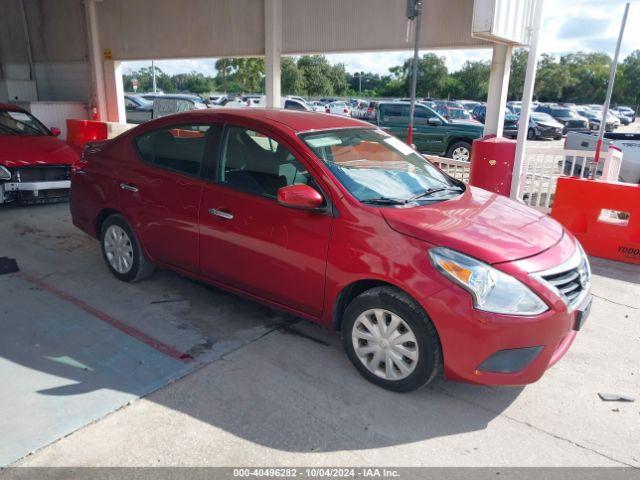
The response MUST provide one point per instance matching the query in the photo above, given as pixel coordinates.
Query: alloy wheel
(461, 153)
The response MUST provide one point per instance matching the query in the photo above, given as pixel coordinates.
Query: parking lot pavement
(273, 392)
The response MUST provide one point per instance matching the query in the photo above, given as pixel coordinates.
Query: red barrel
(492, 161)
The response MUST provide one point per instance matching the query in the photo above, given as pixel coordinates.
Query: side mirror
(55, 131)
(300, 196)
(435, 122)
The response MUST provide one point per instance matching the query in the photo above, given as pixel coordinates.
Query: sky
(568, 26)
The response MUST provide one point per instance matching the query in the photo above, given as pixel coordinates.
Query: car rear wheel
(121, 251)
(390, 340)
(460, 151)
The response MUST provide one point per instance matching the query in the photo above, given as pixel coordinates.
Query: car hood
(29, 150)
(549, 124)
(481, 224)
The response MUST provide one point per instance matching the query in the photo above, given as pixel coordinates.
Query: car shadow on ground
(290, 389)
(265, 377)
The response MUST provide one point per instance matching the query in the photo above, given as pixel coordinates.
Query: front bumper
(493, 349)
(31, 191)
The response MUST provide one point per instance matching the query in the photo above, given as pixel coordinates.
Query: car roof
(296, 120)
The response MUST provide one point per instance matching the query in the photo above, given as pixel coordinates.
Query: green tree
(626, 89)
(589, 74)
(291, 77)
(518, 73)
(432, 75)
(472, 81)
(249, 73)
(317, 75)
(224, 67)
(552, 79)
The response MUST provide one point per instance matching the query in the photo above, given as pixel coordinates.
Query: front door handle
(221, 213)
(130, 188)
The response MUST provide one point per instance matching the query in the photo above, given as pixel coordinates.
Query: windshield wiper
(431, 191)
(383, 201)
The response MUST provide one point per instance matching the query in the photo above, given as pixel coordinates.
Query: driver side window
(255, 163)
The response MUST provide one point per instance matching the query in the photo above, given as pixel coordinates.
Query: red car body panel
(303, 261)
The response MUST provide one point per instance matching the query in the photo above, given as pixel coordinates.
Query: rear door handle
(221, 213)
(130, 188)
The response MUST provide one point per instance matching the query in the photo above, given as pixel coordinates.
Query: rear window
(179, 148)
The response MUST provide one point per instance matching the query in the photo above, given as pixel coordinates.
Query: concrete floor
(265, 389)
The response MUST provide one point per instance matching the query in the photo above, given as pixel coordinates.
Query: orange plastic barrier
(80, 132)
(604, 216)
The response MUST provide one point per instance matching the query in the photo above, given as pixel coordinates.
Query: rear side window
(256, 163)
(179, 148)
(395, 113)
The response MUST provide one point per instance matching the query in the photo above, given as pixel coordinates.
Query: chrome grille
(570, 280)
(43, 173)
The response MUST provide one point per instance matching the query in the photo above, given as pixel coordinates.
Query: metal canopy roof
(143, 29)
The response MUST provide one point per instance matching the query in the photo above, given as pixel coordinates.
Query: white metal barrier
(541, 170)
(543, 166)
(458, 169)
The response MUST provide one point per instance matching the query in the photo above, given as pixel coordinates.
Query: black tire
(457, 145)
(140, 268)
(429, 363)
(531, 134)
(558, 137)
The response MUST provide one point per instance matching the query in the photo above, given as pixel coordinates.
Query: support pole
(273, 51)
(27, 39)
(527, 96)
(98, 96)
(153, 75)
(414, 73)
(607, 102)
(498, 89)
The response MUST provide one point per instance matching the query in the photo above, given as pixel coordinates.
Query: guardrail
(458, 169)
(542, 168)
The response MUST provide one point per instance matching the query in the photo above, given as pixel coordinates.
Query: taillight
(327, 110)
(345, 111)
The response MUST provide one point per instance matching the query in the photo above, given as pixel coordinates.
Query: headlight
(492, 290)
(5, 174)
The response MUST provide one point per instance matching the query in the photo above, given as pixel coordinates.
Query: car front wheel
(121, 250)
(460, 151)
(531, 134)
(390, 340)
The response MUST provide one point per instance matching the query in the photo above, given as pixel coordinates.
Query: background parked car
(338, 108)
(543, 125)
(169, 104)
(137, 109)
(629, 112)
(627, 143)
(595, 119)
(510, 125)
(566, 116)
(295, 104)
(454, 114)
(35, 166)
(432, 133)
(469, 105)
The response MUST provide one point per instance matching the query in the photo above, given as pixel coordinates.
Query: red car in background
(35, 166)
(338, 222)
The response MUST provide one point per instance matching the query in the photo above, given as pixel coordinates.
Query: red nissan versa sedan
(336, 221)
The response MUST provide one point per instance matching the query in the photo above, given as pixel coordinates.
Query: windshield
(563, 112)
(542, 117)
(376, 167)
(458, 114)
(20, 123)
